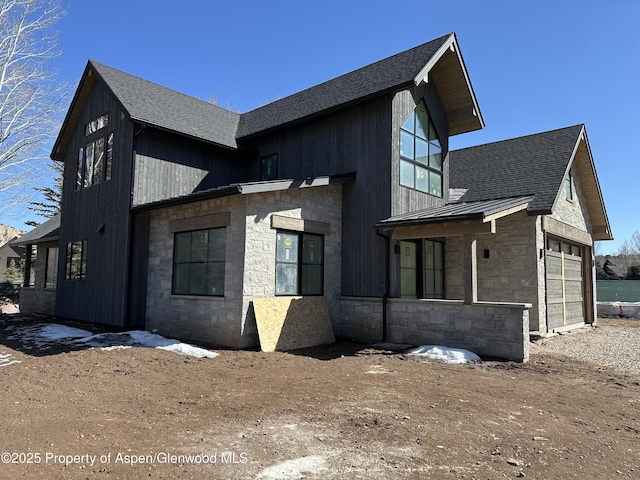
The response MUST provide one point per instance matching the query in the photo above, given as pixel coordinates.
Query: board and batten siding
(98, 214)
(168, 165)
(405, 199)
(357, 139)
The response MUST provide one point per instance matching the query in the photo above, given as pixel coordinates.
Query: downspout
(387, 282)
(543, 256)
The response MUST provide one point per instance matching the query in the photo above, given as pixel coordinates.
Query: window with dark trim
(269, 167)
(76, 260)
(199, 262)
(51, 268)
(299, 263)
(422, 269)
(420, 153)
(568, 186)
(95, 158)
(30, 267)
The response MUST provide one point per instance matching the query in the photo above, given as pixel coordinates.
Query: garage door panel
(565, 286)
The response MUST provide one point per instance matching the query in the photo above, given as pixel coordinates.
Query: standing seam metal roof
(456, 211)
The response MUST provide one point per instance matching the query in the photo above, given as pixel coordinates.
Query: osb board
(286, 323)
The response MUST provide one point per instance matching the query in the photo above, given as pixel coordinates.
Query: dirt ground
(341, 411)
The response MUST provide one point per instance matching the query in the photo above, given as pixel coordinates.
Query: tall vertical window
(422, 269)
(199, 262)
(299, 263)
(30, 267)
(420, 153)
(76, 260)
(568, 186)
(51, 270)
(96, 156)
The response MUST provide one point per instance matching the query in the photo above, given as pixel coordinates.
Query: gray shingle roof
(456, 211)
(387, 75)
(44, 232)
(156, 105)
(530, 165)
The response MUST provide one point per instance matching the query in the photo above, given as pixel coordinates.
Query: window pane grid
(420, 153)
(95, 158)
(199, 262)
(299, 264)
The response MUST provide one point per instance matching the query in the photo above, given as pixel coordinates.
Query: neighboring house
(38, 292)
(177, 214)
(11, 261)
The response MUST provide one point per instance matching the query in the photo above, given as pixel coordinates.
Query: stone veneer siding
(499, 330)
(485, 328)
(361, 318)
(249, 266)
(511, 272)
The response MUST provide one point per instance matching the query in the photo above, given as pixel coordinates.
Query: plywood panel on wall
(287, 323)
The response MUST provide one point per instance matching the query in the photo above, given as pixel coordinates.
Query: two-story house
(177, 214)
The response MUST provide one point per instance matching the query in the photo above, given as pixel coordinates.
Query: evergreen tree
(50, 205)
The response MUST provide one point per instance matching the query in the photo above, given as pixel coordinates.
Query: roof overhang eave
(460, 102)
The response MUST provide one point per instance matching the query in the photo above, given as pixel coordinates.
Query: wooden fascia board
(508, 211)
(586, 171)
(599, 202)
(443, 229)
(564, 230)
(461, 115)
(80, 97)
(73, 113)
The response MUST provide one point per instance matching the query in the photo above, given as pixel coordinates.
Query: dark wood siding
(355, 139)
(406, 199)
(100, 215)
(168, 165)
(139, 270)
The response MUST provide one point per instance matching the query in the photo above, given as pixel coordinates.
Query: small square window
(269, 167)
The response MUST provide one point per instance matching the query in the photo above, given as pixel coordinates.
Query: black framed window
(76, 260)
(199, 262)
(420, 153)
(422, 269)
(95, 158)
(269, 167)
(299, 263)
(568, 186)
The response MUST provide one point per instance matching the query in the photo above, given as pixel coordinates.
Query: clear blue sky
(534, 65)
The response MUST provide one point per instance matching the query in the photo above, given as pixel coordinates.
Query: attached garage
(565, 284)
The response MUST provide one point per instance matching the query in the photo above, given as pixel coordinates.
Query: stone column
(470, 269)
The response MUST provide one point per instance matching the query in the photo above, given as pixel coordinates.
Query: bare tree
(31, 99)
(634, 242)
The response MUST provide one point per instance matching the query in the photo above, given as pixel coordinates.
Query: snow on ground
(446, 354)
(42, 335)
(5, 360)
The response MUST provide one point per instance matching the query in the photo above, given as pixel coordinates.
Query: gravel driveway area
(612, 342)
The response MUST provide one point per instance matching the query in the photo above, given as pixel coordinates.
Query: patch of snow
(53, 331)
(294, 469)
(5, 360)
(41, 334)
(446, 354)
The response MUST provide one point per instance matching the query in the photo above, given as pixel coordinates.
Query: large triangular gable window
(420, 153)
